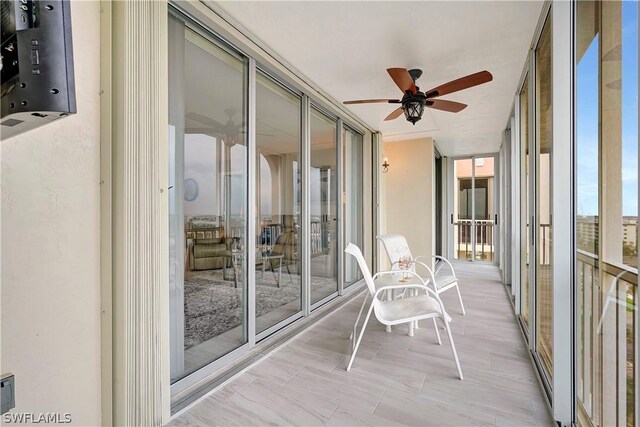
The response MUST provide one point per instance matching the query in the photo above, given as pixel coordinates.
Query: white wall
(408, 193)
(50, 223)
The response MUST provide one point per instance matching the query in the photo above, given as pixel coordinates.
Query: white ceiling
(345, 48)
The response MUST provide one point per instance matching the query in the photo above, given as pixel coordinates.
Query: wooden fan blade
(444, 105)
(203, 131)
(394, 114)
(403, 79)
(371, 101)
(460, 84)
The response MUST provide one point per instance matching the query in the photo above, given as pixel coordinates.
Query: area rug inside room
(213, 305)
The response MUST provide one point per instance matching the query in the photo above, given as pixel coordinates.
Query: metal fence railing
(483, 241)
(607, 342)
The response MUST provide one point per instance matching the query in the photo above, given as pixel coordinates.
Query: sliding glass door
(264, 189)
(323, 192)
(352, 195)
(208, 200)
(474, 209)
(525, 201)
(542, 245)
(536, 184)
(278, 279)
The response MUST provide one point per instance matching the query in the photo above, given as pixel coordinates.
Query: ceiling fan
(414, 101)
(230, 132)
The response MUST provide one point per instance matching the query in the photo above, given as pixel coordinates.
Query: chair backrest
(285, 245)
(396, 247)
(355, 251)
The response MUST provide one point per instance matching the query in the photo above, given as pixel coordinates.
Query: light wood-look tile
(395, 379)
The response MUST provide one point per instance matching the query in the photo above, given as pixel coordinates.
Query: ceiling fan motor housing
(415, 74)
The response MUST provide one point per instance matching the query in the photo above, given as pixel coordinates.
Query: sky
(587, 119)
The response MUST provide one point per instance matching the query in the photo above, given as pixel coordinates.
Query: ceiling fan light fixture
(413, 110)
(229, 138)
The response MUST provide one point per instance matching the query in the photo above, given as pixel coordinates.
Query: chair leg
(389, 298)
(415, 293)
(435, 325)
(460, 298)
(453, 349)
(355, 325)
(355, 349)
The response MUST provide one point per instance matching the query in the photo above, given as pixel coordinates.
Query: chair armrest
(447, 262)
(414, 261)
(392, 272)
(422, 286)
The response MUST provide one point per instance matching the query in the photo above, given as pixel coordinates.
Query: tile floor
(395, 379)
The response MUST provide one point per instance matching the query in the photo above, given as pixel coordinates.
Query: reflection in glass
(544, 180)
(619, 211)
(525, 211)
(587, 117)
(207, 200)
(629, 128)
(587, 200)
(278, 267)
(353, 209)
(607, 125)
(627, 292)
(323, 195)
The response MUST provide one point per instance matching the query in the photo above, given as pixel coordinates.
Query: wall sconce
(385, 165)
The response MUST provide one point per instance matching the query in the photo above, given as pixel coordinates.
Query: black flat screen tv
(37, 65)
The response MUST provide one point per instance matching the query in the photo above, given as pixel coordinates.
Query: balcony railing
(484, 239)
(607, 342)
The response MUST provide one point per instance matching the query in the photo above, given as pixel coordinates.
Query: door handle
(533, 231)
(451, 218)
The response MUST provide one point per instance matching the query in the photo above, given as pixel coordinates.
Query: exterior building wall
(408, 193)
(50, 221)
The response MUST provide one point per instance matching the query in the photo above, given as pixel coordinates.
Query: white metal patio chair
(445, 278)
(409, 309)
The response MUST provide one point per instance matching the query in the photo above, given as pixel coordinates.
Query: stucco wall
(408, 192)
(50, 236)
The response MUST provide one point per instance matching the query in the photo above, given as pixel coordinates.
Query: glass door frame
(451, 188)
